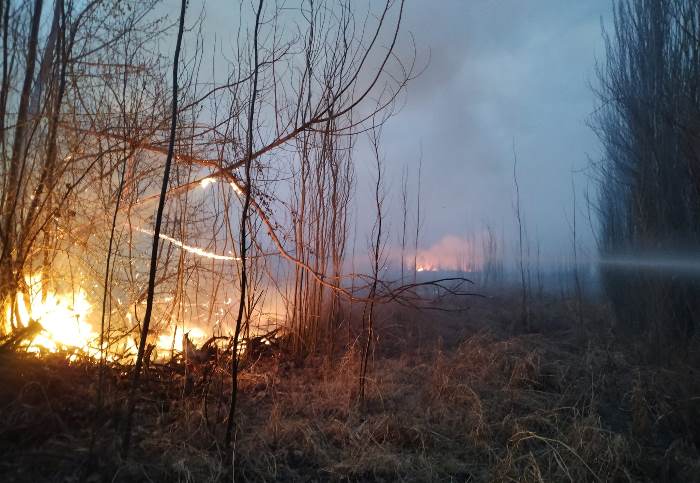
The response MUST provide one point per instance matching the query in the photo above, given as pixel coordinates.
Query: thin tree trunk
(243, 236)
(524, 308)
(120, 189)
(18, 147)
(415, 252)
(376, 256)
(404, 207)
(126, 437)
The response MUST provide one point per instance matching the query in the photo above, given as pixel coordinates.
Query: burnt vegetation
(185, 295)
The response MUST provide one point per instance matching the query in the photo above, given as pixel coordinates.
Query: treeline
(649, 124)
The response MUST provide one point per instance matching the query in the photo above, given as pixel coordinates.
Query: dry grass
(453, 399)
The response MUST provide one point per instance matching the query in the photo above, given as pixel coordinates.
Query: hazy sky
(500, 72)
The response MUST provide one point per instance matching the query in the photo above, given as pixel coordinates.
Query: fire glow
(63, 319)
(425, 268)
(449, 253)
(64, 325)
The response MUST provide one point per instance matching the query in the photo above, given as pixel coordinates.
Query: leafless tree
(418, 220)
(376, 260)
(404, 213)
(243, 230)
(522, 241)
(648, 176)
(136, 372)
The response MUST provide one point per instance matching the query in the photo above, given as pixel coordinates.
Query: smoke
(672, 264)
(450, 253)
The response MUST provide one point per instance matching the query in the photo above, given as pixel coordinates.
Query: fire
(63, 318)
(449, 253)
(173, 340)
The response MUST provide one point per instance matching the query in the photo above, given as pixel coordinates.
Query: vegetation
(450, 396)
(179, 302)
(650, 189)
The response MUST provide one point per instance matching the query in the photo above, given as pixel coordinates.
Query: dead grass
(456, 400)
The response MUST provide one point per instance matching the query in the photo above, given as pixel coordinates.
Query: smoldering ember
(350, 240)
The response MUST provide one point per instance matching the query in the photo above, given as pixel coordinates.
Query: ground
(451, 397)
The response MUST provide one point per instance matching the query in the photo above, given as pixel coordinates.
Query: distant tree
(649, 174)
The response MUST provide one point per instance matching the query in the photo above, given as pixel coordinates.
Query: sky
(501, 77)
(501, 74)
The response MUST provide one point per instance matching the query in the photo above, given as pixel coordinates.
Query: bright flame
(64, 323)
(166, 342)
(62, 317)
(449, 253)
(425, 268)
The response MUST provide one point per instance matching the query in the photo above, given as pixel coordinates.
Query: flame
(449, 253)
(64, 326)
(206, 182)
(425, 268)
(63, 318)
(173, 340)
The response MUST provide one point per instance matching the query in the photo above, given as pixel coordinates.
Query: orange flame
(62, 317)
(449, 253)
(64, 321)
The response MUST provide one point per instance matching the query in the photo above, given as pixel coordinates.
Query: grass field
(451, 397)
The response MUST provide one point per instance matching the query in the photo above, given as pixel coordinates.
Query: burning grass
(455, 397)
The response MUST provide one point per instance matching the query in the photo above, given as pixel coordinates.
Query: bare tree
(523, 267)
(418, 220)
(574, 249)
(404, 213)
(376, 257)
(136, 372)
(243, 231)
(648, 175)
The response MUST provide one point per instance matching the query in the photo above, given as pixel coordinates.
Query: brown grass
(450, 398)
